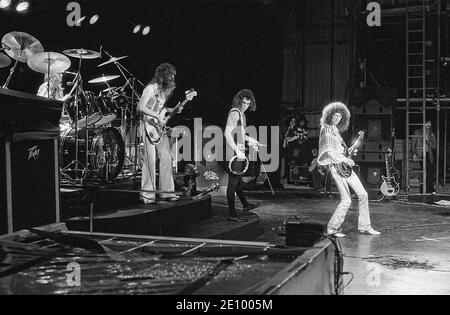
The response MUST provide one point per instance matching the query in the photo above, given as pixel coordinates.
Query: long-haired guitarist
(243, 101)
(333, 152)
(153, 99)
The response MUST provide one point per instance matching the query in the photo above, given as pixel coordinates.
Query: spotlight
(94, 19)
(22, 6)
(136, 29)
(146, 30)
(4, 4)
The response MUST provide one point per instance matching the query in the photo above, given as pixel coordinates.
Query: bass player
(154, 97)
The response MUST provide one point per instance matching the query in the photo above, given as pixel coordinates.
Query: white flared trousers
(149, 169)
(343, 185)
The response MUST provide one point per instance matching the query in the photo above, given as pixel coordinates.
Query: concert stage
(117, 209)
(133, 264)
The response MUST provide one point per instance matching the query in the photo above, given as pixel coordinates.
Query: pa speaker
(369, 97)
(29, 184)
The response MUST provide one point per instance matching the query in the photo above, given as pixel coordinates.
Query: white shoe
(370, 231)
(171, 198)
(335, 233)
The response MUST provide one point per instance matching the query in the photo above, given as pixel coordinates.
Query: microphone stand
(11, 72)
(77, 91)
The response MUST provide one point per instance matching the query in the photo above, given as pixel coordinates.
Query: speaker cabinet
(29, 184)
(371, 172)
(372, 111)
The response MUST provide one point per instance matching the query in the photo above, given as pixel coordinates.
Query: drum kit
(93, 126)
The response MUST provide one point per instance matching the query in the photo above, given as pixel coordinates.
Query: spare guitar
(155, 129)
(344, 169)
(389, 187)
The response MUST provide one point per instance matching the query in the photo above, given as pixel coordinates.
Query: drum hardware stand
(134, 95)
(78, 90)
(122, 69)
(11, 72)
(264, 170)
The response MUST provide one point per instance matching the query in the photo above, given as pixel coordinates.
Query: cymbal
(109, 89)
(113, 59)
(4, 61)
(17, 42)
(44, 61)
(104, 79)
(81, 53)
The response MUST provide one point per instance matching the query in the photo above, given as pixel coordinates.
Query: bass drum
(106, 151)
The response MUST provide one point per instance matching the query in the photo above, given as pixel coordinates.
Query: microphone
(101, 48)
(68, 72)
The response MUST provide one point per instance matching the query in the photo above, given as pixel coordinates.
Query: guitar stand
(383, 197)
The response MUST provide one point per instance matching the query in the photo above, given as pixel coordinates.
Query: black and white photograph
(224, 152)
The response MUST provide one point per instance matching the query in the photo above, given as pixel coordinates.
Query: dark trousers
(430, 175)
(235, 186)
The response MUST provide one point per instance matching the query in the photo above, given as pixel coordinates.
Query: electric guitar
(389, 187)
(155, 129)
(344, 169)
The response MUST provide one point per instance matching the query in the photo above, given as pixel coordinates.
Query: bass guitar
(389, 187)
(155, 129)
(344, 169)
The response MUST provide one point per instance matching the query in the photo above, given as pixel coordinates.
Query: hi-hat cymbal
(112, 88)
(21, 46)
(81, 53)
(113, 59)
(43, 62)
(104, 79)
(4, 61)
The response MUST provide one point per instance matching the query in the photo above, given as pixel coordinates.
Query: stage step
(218, 227)
(164, 219)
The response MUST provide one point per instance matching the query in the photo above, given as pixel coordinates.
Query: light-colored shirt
(331, 146)
(56, 93)
(160, 99)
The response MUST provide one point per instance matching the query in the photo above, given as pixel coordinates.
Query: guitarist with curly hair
(333, 153)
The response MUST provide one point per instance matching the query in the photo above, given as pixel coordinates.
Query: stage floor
(412, 256)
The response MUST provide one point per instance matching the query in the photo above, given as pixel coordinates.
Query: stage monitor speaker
(29, 184)
(371, 172)
(210, 173)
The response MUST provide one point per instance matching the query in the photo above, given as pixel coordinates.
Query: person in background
(430, 146)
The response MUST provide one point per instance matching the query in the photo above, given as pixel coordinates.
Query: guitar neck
(175, 109)
(388, 168)
(353, 147)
